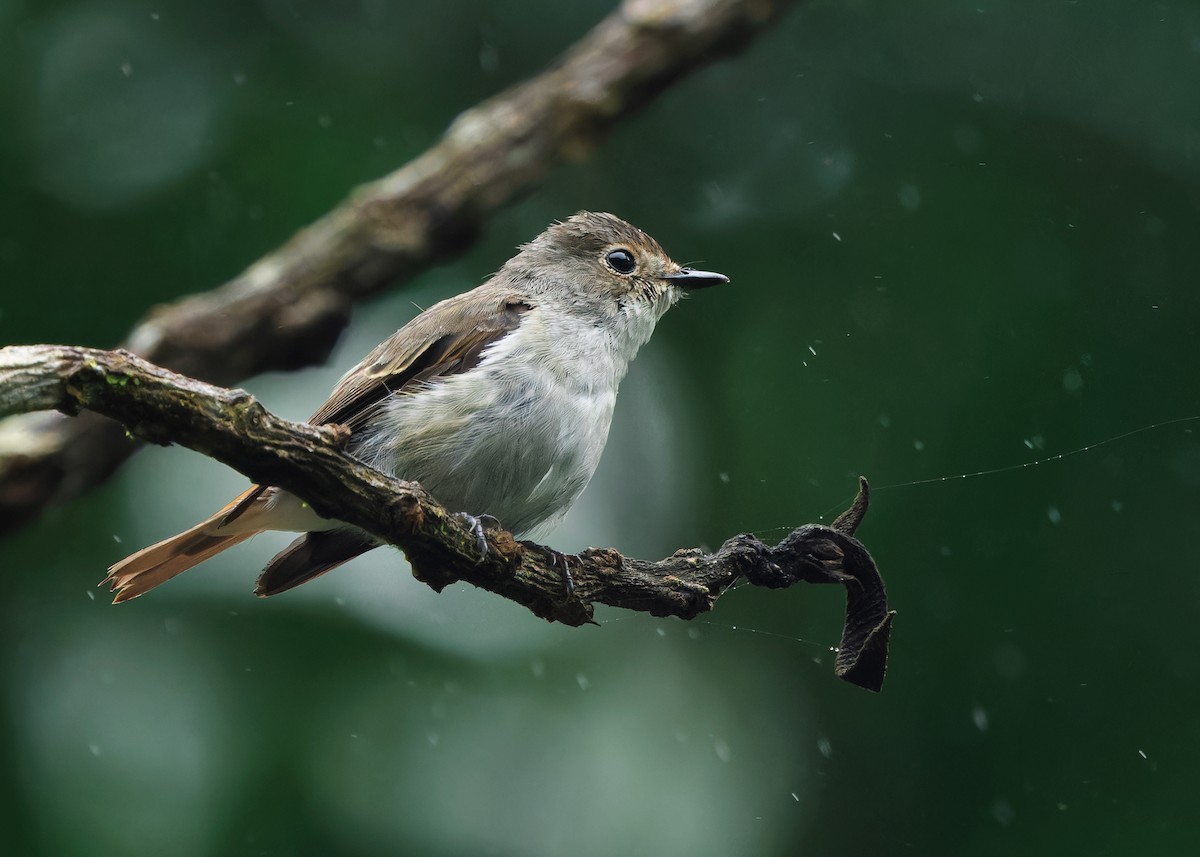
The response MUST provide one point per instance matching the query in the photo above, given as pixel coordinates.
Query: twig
(231, 426)
(287, 310)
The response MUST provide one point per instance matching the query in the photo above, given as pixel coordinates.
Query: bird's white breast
(519, 435)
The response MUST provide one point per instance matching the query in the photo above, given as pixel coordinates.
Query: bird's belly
(521, 450)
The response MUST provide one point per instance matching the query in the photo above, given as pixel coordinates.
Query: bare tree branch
(232, 427)
(287, 310)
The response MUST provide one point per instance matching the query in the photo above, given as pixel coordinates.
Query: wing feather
(417, 354)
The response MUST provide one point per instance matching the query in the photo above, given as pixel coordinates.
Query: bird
(497, 401)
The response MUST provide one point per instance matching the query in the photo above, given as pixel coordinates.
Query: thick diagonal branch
(287, 309)
(232, 427)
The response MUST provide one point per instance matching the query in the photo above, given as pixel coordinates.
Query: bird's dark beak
(691, 279)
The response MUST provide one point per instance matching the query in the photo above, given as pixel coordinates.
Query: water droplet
(980, 718)
(489, 58)
(909, 196)
(722, 750)
(1003, 812)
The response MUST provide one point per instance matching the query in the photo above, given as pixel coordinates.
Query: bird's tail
(149, 567)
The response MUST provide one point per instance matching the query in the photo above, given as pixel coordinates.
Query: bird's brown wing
(426, 349)
(429, 347)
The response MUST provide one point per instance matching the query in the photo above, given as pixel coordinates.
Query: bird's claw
(557, 559)
(568, 581)
(477, 524)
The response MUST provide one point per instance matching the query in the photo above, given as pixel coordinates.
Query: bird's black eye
(620, 261)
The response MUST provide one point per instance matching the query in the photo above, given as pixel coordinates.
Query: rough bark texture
(231, 426)
(288, 309)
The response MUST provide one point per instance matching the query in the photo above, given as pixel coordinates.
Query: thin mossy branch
(231, 426)
(288, 309)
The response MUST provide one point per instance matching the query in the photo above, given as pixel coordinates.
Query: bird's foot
(477, 525)
(562, 560)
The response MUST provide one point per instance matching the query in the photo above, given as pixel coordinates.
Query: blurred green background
(961, 237)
